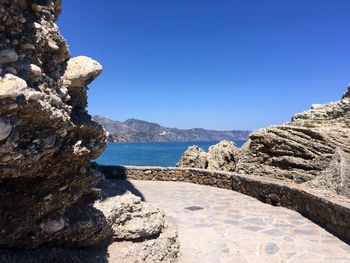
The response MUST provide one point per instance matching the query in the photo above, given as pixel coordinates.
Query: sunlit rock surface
(194, 157)
(313, 147)
(302, 148)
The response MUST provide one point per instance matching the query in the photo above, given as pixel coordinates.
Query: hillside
(134, 130)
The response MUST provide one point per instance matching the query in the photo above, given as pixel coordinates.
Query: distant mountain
(134, 130)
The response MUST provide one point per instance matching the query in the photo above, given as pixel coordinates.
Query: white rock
(53, 46)
(223, 156)
(5, 129)
(8, 56)
(12, 86)
(32, 95)
(37, 25)
(81, 71)
(35, 70)
(63, 91)
(55, 100)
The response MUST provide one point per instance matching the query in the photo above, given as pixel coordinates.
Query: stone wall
(328, 210)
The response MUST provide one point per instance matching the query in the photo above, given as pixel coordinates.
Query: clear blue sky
(219, 64)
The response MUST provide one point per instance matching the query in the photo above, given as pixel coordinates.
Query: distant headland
(133, 130)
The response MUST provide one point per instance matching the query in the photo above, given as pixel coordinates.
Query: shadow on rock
(116, 183)
(55, 254)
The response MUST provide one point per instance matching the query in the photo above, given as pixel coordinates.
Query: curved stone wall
(328, 210)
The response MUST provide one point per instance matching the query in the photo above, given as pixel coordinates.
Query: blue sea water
(149, 153)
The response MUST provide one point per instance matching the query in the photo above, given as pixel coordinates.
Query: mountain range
(133, 130)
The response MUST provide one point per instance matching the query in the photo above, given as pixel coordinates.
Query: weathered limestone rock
(81, 71)
(336, 177)
(314, 146)
(34, 70)
(164, 248)
(11, 86)
(194, 157)
(301, 149)
(130, 218)
(223, 156)
(46, 139)
(141, 231)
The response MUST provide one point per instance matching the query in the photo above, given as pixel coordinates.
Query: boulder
(130, 218)
(81, 70)
(223, 156)
(193, 157)
(141, 232)
(12, 86)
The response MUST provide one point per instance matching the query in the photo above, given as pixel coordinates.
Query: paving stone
(271, 248)
(244, 230)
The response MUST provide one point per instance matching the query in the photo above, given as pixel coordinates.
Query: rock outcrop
(302, 148)
(194, 157)
(314, 146)
(47, 137)
(222, 156)
(130, 218)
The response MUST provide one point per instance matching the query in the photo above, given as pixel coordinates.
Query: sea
(165, 154)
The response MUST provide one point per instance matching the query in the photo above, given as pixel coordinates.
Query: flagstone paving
(217, 225)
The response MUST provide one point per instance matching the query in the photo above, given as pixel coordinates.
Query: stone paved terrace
(221, 225)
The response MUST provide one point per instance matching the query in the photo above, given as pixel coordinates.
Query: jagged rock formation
(300, 150)
(46, 136)
(130, 218)
(222, 156)
(194, 157)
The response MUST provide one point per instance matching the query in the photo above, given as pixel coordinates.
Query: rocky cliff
(222, 156)
(47, 139)
(46, 136)
(313, 147)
